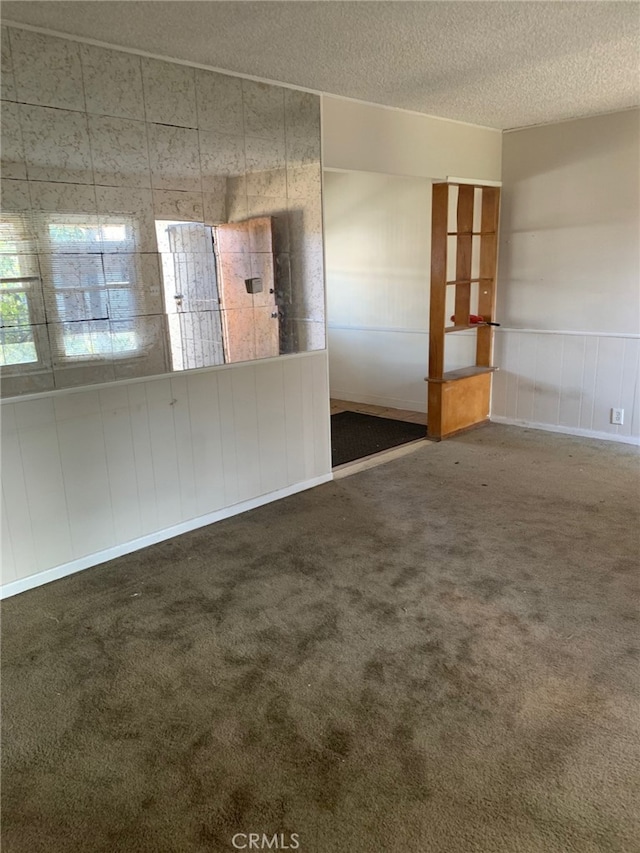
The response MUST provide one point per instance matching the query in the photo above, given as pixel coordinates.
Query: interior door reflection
(190, 294)
(219, 291)
(250, 321)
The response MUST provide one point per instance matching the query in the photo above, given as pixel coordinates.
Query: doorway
(377, 244)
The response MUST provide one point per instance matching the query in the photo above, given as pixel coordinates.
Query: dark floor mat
(354, 435)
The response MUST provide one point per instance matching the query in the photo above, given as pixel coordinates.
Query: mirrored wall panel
(155, 217)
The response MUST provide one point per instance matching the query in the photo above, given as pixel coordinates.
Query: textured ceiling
(500, 64)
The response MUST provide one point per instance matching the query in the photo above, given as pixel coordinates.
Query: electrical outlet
(617, 416)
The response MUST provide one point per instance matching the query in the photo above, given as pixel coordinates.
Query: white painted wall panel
(245, 419)
(230, 450)
(139, 415)
(83, 461)
(206, 441)
(20, 544)
(526, 372)
(573, 355)
(85, 471)
(568, 382)
(608, 380)
(308, 432)
(37, 432)
(6, 552)
(271, 428)
(570, 263)
(184, 448)
(162, 438)
(589, 373)
(319, 375)
(546, 397)
(121, 463)
(294, 422)
(629, 390)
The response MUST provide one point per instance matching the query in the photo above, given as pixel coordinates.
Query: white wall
(369, 138)
(88, 474)
(569, 276)
(378, 244)
(377, 233)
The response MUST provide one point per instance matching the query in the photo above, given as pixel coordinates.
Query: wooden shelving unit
(459, 399)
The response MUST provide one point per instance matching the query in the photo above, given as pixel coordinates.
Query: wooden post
(487, 286)
(464, 242)
(439, 217)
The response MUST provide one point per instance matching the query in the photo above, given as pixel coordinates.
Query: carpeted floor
(355, 435)
(438, 655)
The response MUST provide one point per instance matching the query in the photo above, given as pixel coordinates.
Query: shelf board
(468, 280)
(470, 233)
(463, 373)
(458, 328)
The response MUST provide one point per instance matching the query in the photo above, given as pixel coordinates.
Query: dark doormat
(354, 435)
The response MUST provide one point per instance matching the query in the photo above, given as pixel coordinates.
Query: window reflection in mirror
(89, 280)
(19, 290)
(79, 305)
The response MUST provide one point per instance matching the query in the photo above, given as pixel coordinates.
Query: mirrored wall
(155, 217)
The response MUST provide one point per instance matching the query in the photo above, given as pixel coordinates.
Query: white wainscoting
(88, 474)
(568, 382)
(557, 380)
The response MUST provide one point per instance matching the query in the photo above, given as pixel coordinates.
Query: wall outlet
(617, 416)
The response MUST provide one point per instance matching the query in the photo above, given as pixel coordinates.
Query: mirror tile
(62, 198)
(46, 70)
(12, 159)
(174, 204)
(112, 82)
(263, 110)
(119, 151)
(221, 156)
(14, 195)
(169, 93)
(56, 145)
(126, 217)
(174, 158)
(8, 89)
(219, 100)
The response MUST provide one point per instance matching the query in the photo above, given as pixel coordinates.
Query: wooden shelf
(463, 373)
(459, 399)
(457, 328)
(463, 328)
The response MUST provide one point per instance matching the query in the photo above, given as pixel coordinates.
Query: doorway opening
(359, 431)
(377, 243)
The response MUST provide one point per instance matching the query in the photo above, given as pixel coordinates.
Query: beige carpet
(439, 655)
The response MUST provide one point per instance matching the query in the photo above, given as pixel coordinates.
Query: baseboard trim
(581, 433)
(32, 581)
